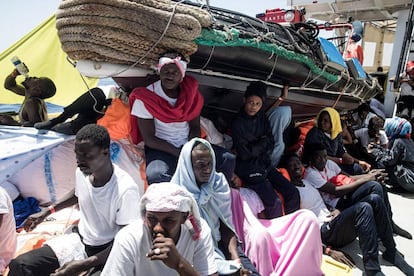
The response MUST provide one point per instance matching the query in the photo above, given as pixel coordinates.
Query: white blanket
(42, 164)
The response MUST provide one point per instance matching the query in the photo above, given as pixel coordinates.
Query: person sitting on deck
(399, 160)
(340, 190)
(361, 116)
(371, 137)
(195, 172)
(33, 108)
(254, 143)
(108, 200)
(165, 115)
(328, 131)
(269, 243)
(170, 238)
(366, 220)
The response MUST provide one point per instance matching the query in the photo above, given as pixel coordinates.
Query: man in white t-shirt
(108, 200)
(340, 227)
(170, 239)
(373, 134)
(165, 115)
(8, 240)
(321, 174)
(362, 116)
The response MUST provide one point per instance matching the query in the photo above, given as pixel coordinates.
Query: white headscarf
(167, 197)
(213, 197)
(181, 64)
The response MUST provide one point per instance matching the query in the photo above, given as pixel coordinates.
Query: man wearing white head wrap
(171, 231)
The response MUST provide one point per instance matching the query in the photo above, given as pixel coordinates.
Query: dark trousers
(43, 261)
(245, 261)
(289, 192)
(364, 194)
(352, 169)
(357, 220)
(265, 184)
(160, 165)
(369, 220)
(86, 107)
(38, 262)
(259, 183)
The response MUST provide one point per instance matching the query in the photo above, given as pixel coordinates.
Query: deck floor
(403, 209)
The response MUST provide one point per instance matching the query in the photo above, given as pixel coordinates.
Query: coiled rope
(133, 32)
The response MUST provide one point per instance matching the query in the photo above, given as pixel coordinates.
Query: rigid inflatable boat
(122, 39)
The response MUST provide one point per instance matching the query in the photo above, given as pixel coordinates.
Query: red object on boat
(282, 16)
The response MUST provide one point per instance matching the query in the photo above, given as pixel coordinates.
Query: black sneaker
(374, 273)
(397, 260)
(401, 232)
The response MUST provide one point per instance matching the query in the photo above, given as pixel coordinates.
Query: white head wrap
(167, 197)
(181, 64)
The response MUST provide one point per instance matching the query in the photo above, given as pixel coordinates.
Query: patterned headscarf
(167, 197)
(397, 128)
(181, 64)
(335, 121)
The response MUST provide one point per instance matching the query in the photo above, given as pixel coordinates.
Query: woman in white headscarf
(195, 171)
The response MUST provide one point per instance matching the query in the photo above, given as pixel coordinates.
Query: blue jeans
(279, 119)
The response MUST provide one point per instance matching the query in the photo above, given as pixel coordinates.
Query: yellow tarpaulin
(41, 51)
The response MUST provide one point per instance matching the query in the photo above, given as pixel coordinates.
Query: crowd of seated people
(247, 230)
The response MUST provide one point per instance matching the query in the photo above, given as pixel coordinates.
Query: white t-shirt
(363, 137)
(319, 178)
(311, 199)
(252, 199)
(359, 123)
(8, 237)
(105, 209)
(133, 242)
(405, 87)
(175, 133)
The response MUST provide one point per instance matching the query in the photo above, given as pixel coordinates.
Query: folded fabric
(23, 208)
(341, 179)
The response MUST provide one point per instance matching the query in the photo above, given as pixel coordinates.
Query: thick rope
(123, 31)
(201, 15)
(133, 40)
